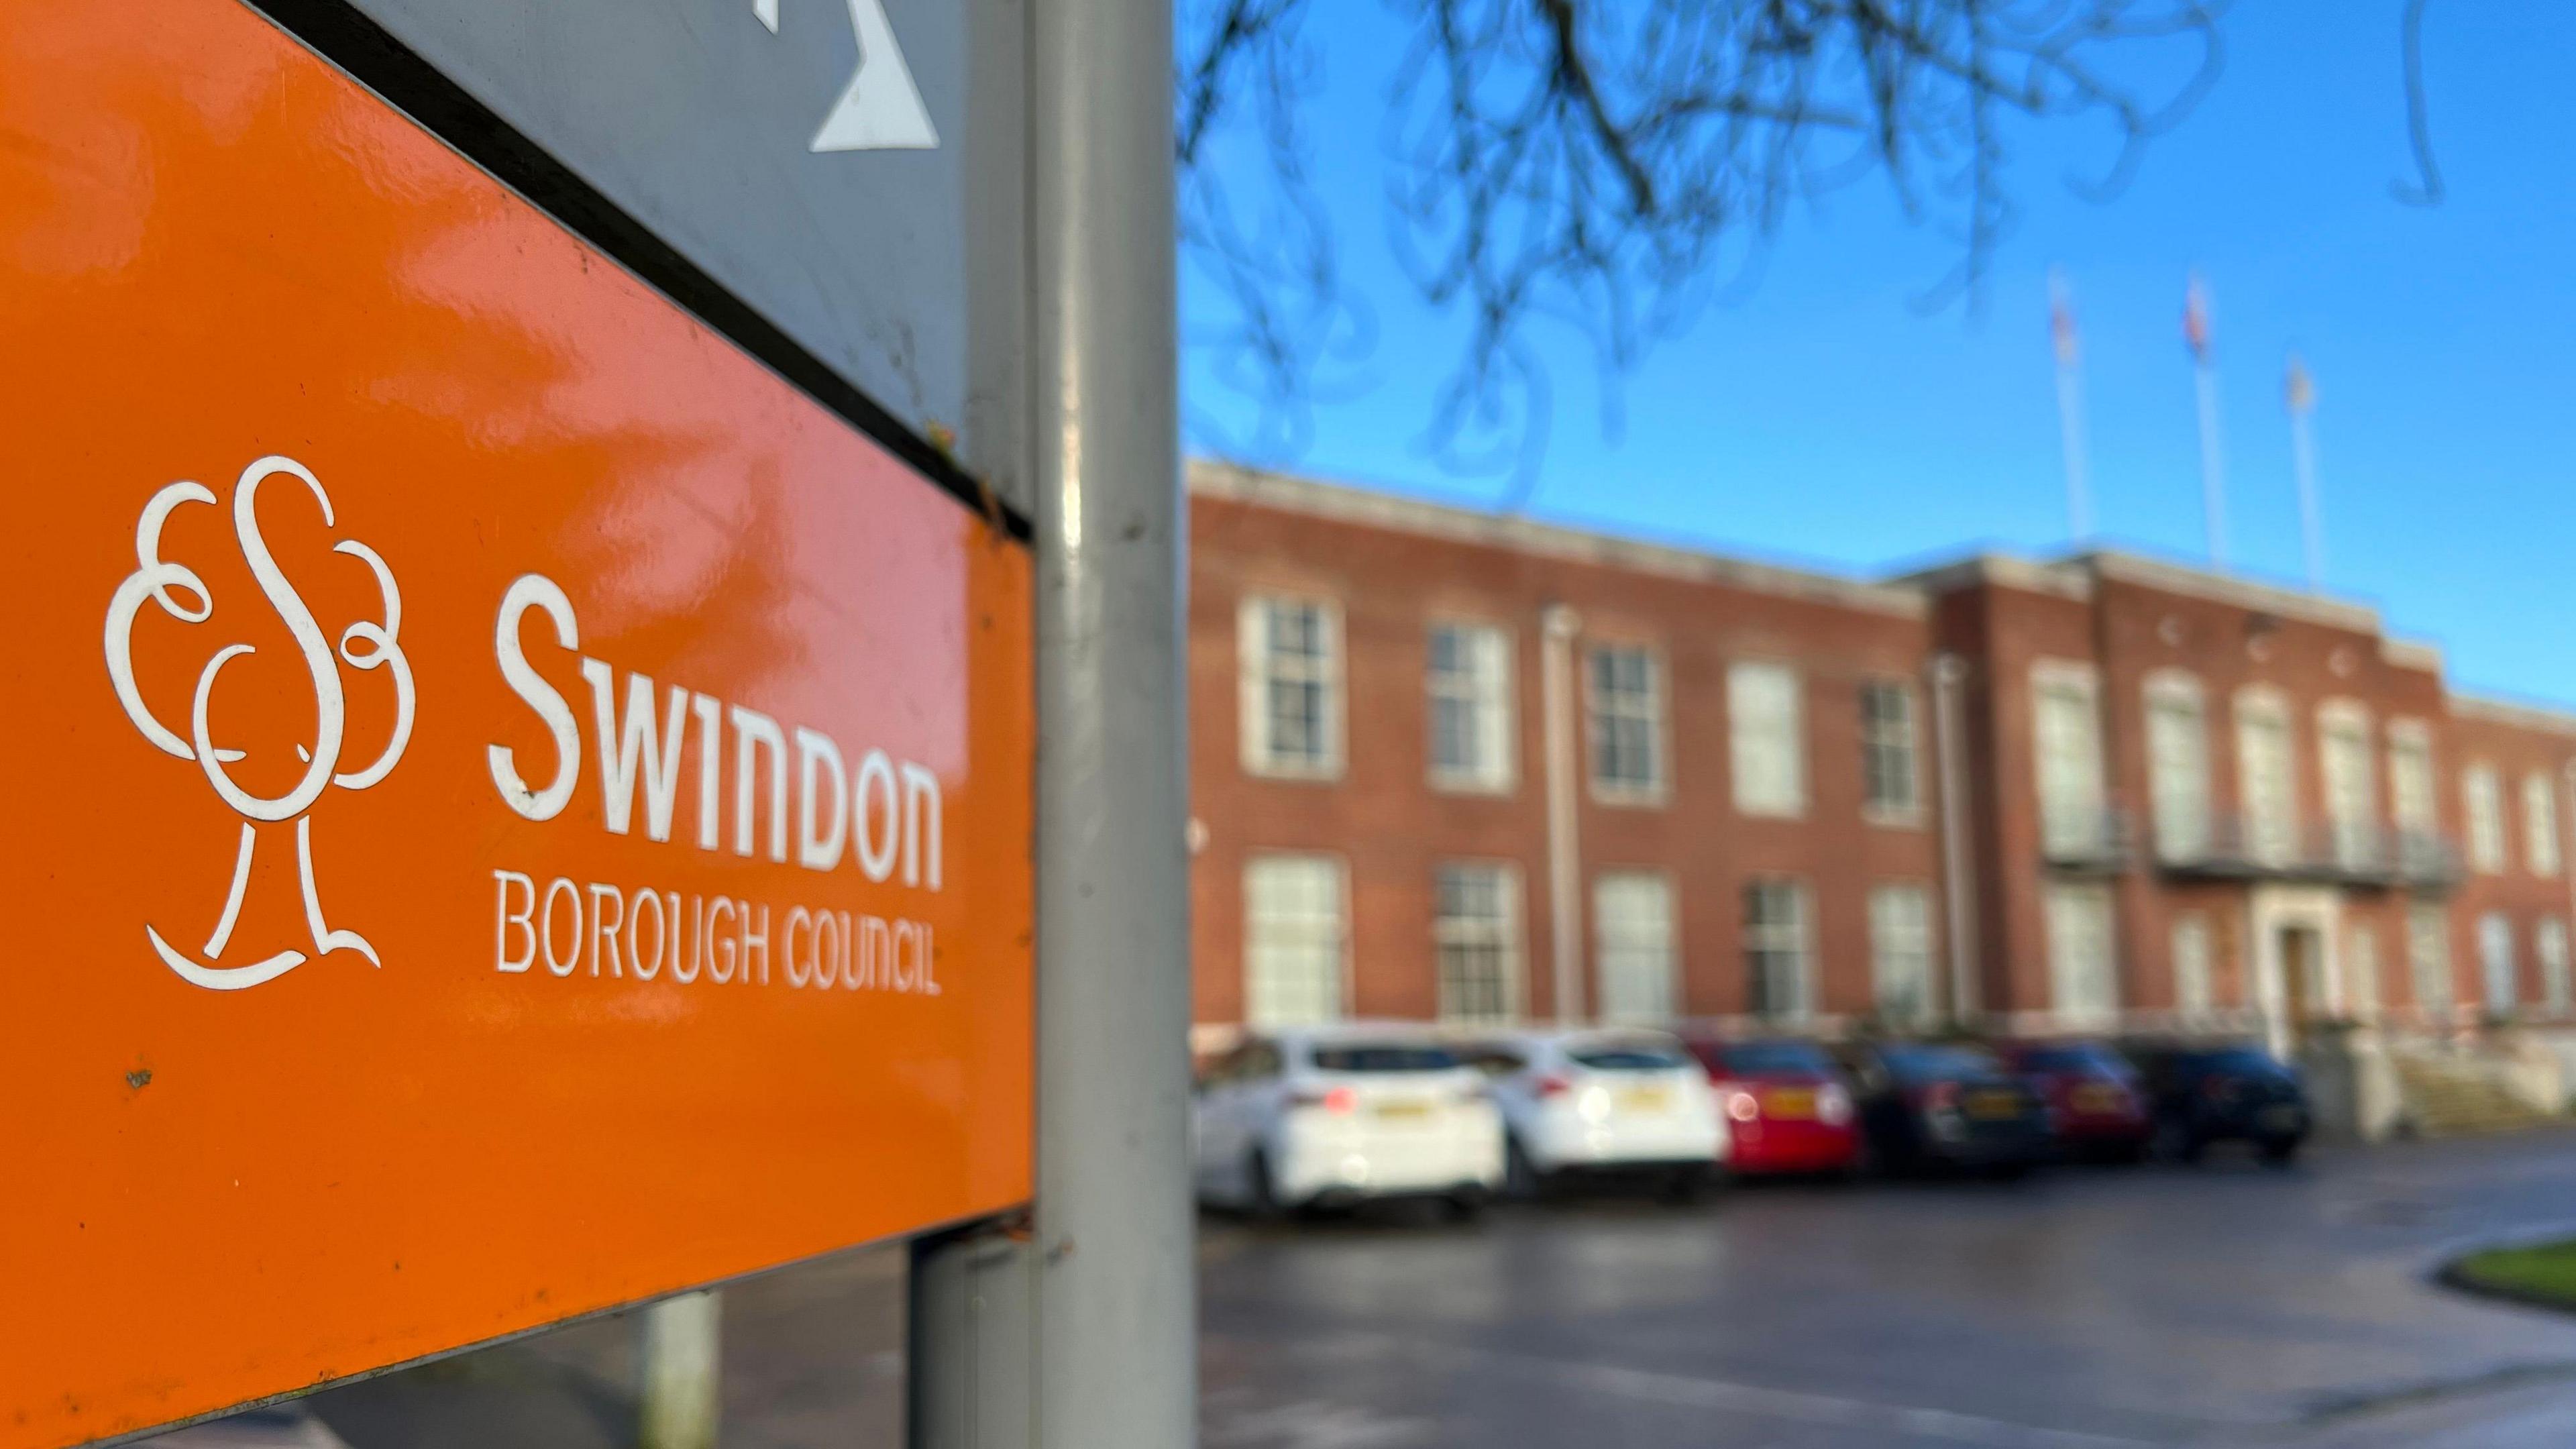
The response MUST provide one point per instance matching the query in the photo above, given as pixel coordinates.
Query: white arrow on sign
(881, 109)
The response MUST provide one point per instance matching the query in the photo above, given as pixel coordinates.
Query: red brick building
(1452, 765)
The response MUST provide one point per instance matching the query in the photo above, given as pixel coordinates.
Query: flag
(2195, 319)
(2061, 320)
(2297, 388)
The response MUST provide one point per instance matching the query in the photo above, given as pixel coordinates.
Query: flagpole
(2070, 407)
(2213, 470)
(2302, 396)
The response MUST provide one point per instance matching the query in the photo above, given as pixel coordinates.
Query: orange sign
(516, 809)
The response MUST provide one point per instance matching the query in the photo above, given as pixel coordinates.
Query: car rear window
(1936, 1063)
(2243, 1061)
(1775, 1056)
(2069, 1059)
(1385, 1057)
(1627, 1057)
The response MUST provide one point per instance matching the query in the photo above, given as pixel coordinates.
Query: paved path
(2087, 1310)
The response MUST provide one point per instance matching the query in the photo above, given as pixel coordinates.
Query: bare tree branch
(2426, 189)
(1595, 164)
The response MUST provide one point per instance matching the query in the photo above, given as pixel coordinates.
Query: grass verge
(2540, 1274)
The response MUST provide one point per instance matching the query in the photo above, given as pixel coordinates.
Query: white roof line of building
(2181, 578)
(1214, 479)
(2003, 569)
(2514, 713)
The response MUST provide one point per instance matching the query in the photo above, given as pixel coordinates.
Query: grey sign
(848, 168)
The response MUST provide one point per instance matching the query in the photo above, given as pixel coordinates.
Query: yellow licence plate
(1797, 1102)
(1647, 1099)
(2100, 1099)
(1988, 1106)
(1402, 1111)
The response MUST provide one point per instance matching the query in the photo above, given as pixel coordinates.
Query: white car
(1603, 1102)
(1329, 1115)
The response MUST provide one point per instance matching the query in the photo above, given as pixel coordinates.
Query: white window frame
(2482, 811)
(1635, 952)
(2540, 851)
(2076, 823)
(2352, 804)
(2194, 961)
(2414, 780)
(1879, 737)
(1903, 943)
(2082, 992)
(1595, 713)
(1503, 933)
(1488, 696)
(2361, 968)
(1256, 670)
(2271, 835)
(1795, 937)
(2549, 948)
(2428, 960)
(2181, 799)
(2499, 974)
(1334, 932)
(1775, 752)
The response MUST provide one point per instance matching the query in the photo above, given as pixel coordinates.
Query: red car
(1787, 1109)
(2093, 1096)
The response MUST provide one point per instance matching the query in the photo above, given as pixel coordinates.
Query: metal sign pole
(1079, 1332)
(1115, 1309)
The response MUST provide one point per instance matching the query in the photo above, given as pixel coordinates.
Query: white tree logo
(365, 645)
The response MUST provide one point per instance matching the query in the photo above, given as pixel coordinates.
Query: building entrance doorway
(2293, 945)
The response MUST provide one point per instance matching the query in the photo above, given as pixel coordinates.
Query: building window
(1291, 686)
(1470, 680)
(2178, 765)
(2495, 961)
(1477, 935)
(1890, 770)
(2428, 959)
(2343, 747)
(2194, 993)
(1776, 949)
(2083, 984)
(1625, 695)
(2549, 944)
(1766, 746)
(2539, 824)
(1293, 940)
(1900, 953)
(2361, 971)
(1632, 923)
(2267, 776)
(2483, 801)
(2069, 726)
(2410, 794)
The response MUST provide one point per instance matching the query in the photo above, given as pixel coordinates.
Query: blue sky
(1823, 419)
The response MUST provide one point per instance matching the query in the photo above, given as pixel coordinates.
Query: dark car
(1930, 1105)
(2096, 1102)
(2240, 1093)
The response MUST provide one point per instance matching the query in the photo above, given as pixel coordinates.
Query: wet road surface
(2224, 1305)
(2231, 1305)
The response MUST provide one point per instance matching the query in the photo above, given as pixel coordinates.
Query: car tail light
(1552, 1086)
(1833, 1105)
(1742, 1105)
(1336, 1099)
